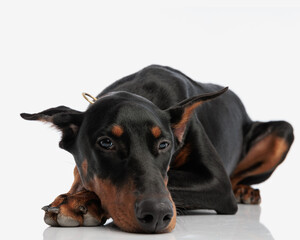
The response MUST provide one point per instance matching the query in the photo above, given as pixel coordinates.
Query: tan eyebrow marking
(117, 130)
(156, 131)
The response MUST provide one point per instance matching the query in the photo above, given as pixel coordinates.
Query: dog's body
(224, 119)
(151, 122)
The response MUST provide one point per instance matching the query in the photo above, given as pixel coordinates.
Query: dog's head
(123, 145)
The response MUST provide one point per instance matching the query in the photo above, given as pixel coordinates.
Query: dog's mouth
(153, 214)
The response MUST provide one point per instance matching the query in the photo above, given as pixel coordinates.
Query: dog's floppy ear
(63, 118)
(182, 112)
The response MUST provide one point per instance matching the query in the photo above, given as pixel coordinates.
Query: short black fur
(219, 134)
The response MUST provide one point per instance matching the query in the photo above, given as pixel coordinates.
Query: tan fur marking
(77, 184)
(117, 130)
(81, 199)
(74, 201)
(119, 203)
(267, 152)
(173, 220)
(246, 194)
(67, 210)
(179, 127)
(77, 196)
(182, 156)
(156, 132)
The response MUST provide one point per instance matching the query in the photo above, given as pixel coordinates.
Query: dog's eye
(163, 145)
(105, 143)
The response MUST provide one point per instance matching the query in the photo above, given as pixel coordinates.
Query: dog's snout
(154, 215)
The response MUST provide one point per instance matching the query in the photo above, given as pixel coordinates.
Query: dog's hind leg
(78, 207)
(265, 147)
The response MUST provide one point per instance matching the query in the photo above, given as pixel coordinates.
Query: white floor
(264, 222)
(196, 225)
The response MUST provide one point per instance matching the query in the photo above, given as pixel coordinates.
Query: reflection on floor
(196, 225)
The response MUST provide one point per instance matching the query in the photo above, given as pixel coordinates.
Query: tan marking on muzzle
(119, 203)
(172, 224)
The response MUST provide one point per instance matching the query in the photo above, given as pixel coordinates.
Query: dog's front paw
(246, 194)
(72, 210)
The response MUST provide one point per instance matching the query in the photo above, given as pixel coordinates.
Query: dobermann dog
(155, 141)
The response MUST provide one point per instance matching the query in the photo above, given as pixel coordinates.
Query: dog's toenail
(83, 209)
(53, 210)
(45, 208)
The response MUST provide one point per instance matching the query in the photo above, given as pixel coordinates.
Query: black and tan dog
(155, 141)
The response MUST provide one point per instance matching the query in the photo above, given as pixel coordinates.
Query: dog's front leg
(78, 207)
(189, 191)
(198, 179)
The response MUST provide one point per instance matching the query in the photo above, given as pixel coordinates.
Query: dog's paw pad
(73, 210)
(247, 195)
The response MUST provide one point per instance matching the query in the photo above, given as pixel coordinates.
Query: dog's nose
(154, 214)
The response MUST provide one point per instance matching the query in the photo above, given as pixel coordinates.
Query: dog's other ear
(181, 113)
(63, 118)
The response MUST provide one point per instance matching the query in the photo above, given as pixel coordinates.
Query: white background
(51, 51)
